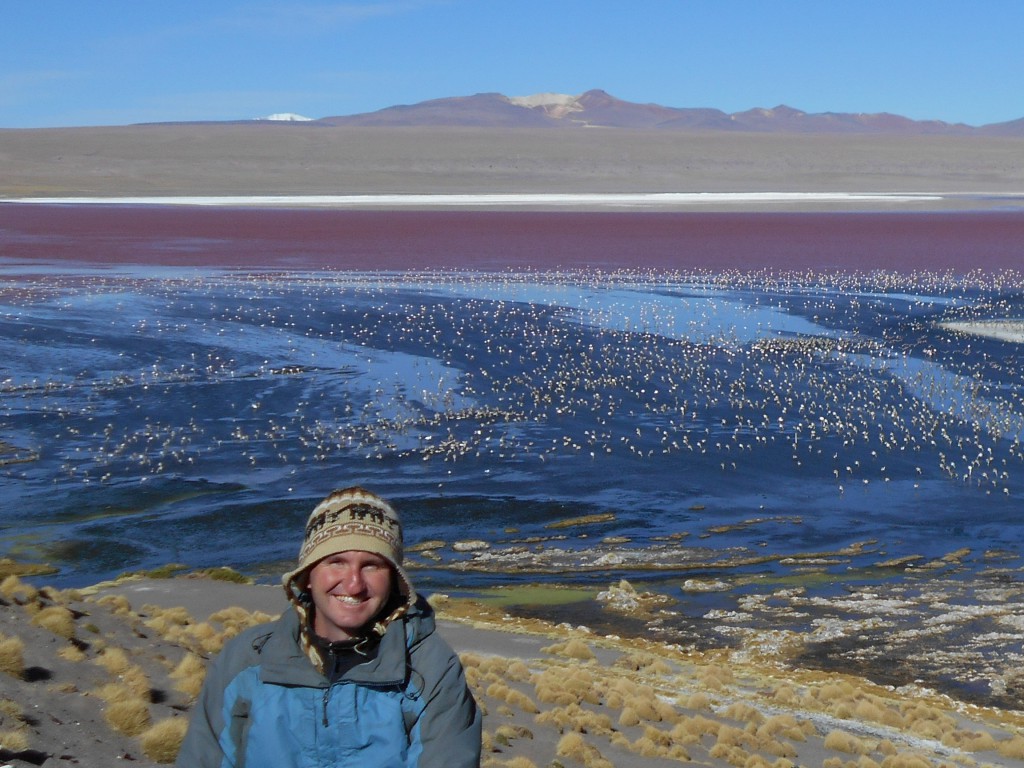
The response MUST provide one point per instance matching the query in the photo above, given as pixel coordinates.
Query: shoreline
(805, 201)
(549, 692)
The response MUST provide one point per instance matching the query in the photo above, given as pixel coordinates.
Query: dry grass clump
(744, 712)
(906, 760)
(12, 656)
(15, 589)
(56, 619)
(114, 660)
(14, 741)
(235, 619)
(690, 729)
(655, 743)
(189, 675)
(518, 672)
(784, 694)
(117, 604)
(161, 742)
(10, 710)
(696, 701)
(618, 691)
(645, 705)
(512, 696)
(72, 653)
(785, 725)
(129, 715)
(715, 676)
(930, 722)
(732, 736)
(730, 753)
(647, 662)
(12, 737)
(840, 741)
(519, 762)
(575, 718)
(575, 747)
(166, 620)
(506, 733)
(970, 741)
(573, 649)
(557, 685)
(1013, 747)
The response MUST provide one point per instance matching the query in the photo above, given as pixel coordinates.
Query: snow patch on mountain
(286, 117)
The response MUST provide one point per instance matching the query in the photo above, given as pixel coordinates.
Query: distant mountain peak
(597, 108)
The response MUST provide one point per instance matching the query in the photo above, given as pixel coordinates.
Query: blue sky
(73, 62)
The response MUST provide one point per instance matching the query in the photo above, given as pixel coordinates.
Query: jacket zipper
(327, 695)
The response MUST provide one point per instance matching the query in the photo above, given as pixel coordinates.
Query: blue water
(196, 416)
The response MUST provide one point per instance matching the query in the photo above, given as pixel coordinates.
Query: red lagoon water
(489, 240)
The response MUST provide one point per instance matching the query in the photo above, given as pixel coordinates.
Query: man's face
(349, 590)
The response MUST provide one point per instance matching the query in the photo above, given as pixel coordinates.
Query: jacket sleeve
(448, 730)
(203, 746)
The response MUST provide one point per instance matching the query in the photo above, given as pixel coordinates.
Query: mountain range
(598, 109)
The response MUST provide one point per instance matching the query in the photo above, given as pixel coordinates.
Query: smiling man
(353, 675)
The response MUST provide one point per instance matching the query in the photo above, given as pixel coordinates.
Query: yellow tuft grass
(111, 692)
(520, 762)
(137, 681)
(970, 741)
(785, 694)
(114, 660)
(15, 589)
(118, 604)
(629, 717)
(905, 760)
(518, 672)
(14, 741)
(691, 728)
(730, 753)
(840, 741)
(1013, 747)
(56, 619)
(744, 712)
(12, 656)
(697, 701)
(731, 736)
(161, 742)
(573, 649)
(72, 653)
(11, 709)
(129, 716)
(715, 676)
(189, 675)
(573, 746)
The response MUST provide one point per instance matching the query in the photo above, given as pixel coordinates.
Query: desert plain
(260, 159)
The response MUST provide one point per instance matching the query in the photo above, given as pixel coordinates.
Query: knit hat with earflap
(347, 520)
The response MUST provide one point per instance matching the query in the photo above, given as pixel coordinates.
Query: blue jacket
(265, 704)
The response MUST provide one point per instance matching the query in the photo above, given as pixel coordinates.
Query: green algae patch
(176, 570)
(168, 571)
(534, 595)
(9, 567)
(575, 522)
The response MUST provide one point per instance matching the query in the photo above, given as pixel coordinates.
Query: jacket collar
(283, 662)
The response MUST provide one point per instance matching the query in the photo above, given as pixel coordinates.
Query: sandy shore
(941, 172)
(552, 694)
